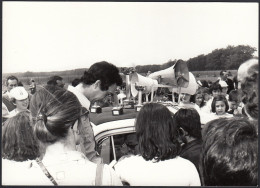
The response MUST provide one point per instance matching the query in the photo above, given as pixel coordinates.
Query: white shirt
(82, 98)
(173, 172)
(70, 168)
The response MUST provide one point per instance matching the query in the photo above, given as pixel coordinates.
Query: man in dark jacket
(224, 77)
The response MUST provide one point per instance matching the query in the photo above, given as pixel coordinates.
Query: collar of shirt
(82, 99)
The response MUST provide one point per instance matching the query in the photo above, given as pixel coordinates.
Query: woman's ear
(75, 127)
(182, 132)
(97, 84)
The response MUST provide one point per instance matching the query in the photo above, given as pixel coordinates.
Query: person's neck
(59, 147)
(81, 88)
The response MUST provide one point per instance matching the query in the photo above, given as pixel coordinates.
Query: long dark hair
(157, 133)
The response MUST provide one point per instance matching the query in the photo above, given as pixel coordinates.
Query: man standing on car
(100, 80)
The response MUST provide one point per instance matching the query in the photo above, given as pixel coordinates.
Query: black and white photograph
(129, 93)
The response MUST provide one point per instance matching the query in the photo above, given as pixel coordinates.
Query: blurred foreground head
(248, 77)
(18, 141)
(229, 153)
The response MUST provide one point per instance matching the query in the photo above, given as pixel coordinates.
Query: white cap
(223, 83)
(19, 93)
(121, 96)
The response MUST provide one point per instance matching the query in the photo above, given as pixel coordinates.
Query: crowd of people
(47, 137)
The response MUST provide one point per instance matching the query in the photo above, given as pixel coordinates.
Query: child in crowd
(215, 90)
(199, 99)
(186, 102)
(235, 105)
(220, 106)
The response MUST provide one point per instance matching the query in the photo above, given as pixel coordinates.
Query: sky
(57, 36)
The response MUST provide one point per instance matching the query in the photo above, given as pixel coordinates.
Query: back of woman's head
(53, 112)
(157, 133)
(189, 121)
(18, 141)
(229, 153)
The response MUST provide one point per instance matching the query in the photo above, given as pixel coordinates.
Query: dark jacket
(230, 84)
(191, 151)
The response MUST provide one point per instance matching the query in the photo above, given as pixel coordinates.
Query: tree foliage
(229, 58)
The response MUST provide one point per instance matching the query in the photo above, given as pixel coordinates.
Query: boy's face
(198, 99)
(233, 105)
(207, 96)
(185, 97)
(216, 92)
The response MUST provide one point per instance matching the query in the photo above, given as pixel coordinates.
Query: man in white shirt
(101, 79)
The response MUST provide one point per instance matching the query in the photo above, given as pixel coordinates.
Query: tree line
(229, 58)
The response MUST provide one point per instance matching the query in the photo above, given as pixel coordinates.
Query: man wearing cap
(224, 87)
(224, 77)
(7, 104)
(100, 80)
(19, 97)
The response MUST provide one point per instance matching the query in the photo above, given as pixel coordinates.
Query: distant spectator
(224, 87)
(248, 78)
(230, 153)
(209, 83)
(224, 77)
(148, 73)
(204, 83)
(75, 82)
(56, 81)
(234, 103)
(205, 92)
(7, 104)
(215, 89)
(235, 82)
(20, 83)
(32, 87)
(199, 99)
(186, 101)
(188, 121)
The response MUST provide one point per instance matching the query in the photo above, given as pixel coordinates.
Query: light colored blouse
(173, 172)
